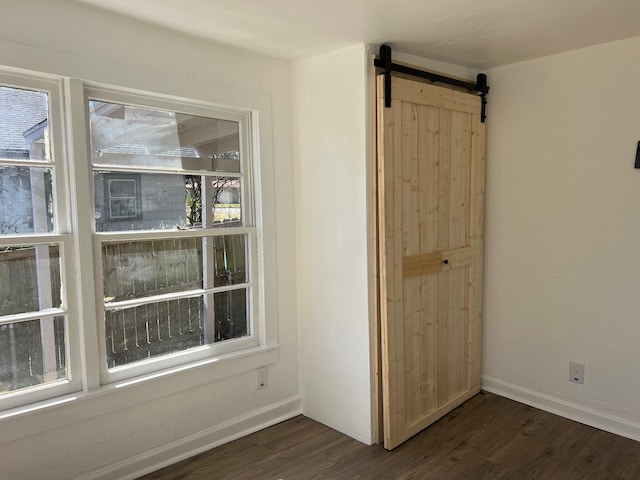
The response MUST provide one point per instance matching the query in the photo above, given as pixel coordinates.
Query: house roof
(20, 111)
(24, 115)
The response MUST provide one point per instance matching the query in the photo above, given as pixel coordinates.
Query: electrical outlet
(576, 372)
(262, 378)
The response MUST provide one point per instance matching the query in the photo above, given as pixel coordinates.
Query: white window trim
(84, 360)
(62, 236)
(248, 165)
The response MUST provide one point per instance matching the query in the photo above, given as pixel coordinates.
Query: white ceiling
(474, 33)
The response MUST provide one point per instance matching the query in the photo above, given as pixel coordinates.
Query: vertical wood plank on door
(444, 185)
(456, 159)
(465, 213)
(444, 176)
(465, 182)
(397, 327)
(411, 246)
(459, 191)
(385, 137)
(429, 119)
(476, 234)
(413, 351)
(457, 360)
(374, 257)
(391, 273)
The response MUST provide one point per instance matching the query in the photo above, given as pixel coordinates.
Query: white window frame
(111, 198)
(73, 187)
(247, 159)
(62, 236)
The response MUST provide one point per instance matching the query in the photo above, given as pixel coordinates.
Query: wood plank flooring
(487, 438)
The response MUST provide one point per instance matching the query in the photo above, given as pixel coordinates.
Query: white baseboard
(173, 452)
(560, 406)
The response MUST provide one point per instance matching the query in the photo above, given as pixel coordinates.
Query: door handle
(445, 261)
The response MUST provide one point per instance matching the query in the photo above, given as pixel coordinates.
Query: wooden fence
(21, 351)
(131, 270)
(141, 269)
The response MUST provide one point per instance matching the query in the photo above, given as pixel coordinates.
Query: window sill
(127, 393)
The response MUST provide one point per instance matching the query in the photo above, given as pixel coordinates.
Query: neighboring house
(17, 123)
(135, 201)
(17, 142)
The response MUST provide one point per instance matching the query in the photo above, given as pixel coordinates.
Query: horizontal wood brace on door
(434, 262)
(384, 62)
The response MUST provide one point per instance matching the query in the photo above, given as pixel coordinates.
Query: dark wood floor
(489, 437)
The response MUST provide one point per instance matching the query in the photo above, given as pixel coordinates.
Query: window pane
(148, 331)
(32, 353)
(141, 269)
(138, 333)
(26, 200)
(230, 264)
(231, 314)
(127, 135)
(156, 201)
(145, 268)
(122, 198)
(225, 202)
(23, 124)
(29, 279)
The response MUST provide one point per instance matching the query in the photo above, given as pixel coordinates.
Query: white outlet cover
(576, 372)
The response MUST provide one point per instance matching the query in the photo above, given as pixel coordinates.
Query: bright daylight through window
(32, 318)
(159, 177)
(172, 224)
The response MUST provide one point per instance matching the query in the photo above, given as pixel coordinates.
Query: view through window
(32, 318)
(171, 291)
(171, 245)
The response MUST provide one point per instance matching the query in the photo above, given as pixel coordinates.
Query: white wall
(563, 227)
(106, 432)
(330, 151)
(560, 269)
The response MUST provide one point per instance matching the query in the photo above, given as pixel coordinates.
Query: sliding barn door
(431, 155)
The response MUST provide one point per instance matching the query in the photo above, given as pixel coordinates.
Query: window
(169, 261)
(176, 274)
(34, 317)
(123, 197)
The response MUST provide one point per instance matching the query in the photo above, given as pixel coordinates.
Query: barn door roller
(384, 62)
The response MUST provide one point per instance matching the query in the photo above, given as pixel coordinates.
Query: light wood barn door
(431, 155)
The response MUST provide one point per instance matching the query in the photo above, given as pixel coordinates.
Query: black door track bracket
(387, 66)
